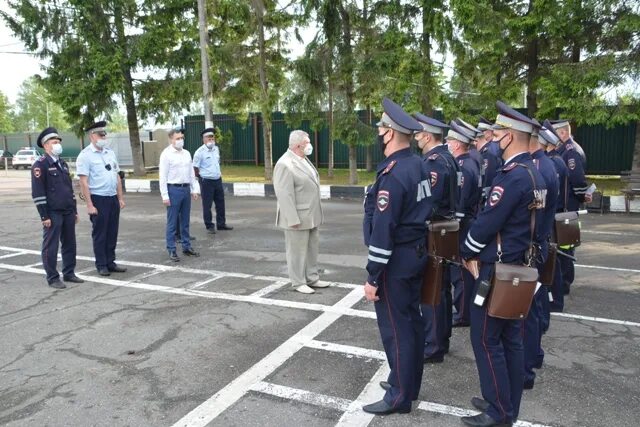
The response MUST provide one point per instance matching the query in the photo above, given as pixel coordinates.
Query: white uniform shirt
(176, 168)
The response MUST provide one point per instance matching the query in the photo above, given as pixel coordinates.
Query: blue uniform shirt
(470, 185)
(563, 179)
(51, 187)
(506, 212)
(101, 167)
(396, 209)
(208, 162)
(443, 172)
(548, 171)
(577, 181)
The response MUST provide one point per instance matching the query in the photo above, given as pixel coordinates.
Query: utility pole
(204, 56)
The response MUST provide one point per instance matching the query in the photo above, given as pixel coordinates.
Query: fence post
(6, 144)
(315, 146)
(256, 145)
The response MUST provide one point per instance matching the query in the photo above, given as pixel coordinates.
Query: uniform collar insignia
(389, 167)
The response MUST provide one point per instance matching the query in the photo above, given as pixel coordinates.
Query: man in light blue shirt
(206, 164)
(97, 167)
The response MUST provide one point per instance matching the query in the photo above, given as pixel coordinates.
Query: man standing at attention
(206, 164)
(297, 186)
(178, 185)
(53, 196)
(97, 167)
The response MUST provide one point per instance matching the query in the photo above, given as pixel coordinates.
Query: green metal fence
(13, 142)
(609, 151)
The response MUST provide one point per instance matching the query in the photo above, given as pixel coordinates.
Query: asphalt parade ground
(222, 340)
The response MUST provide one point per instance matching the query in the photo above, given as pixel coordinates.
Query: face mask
(101, 143)
(179, 144)
(450, 148)
(502, 150)
(56, 149)
(381, 143)
(209, 145)
(308, 149)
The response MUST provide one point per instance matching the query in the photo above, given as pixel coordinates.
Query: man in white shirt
(178, 185)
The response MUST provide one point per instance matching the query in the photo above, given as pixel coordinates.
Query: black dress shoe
(480, 404)
(434, 359)
(117, 269)
(385, 385)
(191, 252)
(483, 420)
(173, 256)
(73, 279)
(225, 227)
(383, 408)
(211, 230)
(104, 272)
(57, 284)
(528, 384)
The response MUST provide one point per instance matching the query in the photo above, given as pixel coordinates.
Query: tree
(6, 115)
(35, 109)
(95, 47)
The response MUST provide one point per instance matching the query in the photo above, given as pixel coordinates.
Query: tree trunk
(330, 154)
(347, 75)
(425, 58)
(532, 77)
(635, 166)
(353, 165)
(265, 105)
(369, 160)
(129, 97)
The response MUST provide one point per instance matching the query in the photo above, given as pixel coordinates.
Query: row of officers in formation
(501, 184)
(181, 180)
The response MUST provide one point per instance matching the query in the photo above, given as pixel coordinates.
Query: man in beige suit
(297, 187)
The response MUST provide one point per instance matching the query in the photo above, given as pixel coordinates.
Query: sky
(15, 68)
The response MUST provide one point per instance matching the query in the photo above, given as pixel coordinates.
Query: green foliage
(36, 110)
(224, 140)
(6, 115)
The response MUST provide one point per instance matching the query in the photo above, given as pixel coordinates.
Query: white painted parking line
(304, 396)
(203, 283)
(354, 416)
(37, 264)
(600, 267)
(596, 319)
(347, 349)
(145, 275)
(439, 408)
(14, 254)
(232, 392)
(271, 288)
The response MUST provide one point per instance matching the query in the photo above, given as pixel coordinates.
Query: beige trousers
(301, 248)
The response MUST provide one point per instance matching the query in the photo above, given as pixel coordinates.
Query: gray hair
(297, 137)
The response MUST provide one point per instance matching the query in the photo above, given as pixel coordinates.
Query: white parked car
(25, 158)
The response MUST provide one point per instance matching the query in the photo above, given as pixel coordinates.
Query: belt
(211, 179)
(179, 185)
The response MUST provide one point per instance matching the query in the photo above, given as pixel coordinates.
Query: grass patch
(608, 185)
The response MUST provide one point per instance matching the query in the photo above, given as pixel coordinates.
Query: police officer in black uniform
(396, 211)
(497, 343)
(53, 196)
(445, 192)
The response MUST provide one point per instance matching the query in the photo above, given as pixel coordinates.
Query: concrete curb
(254, 189)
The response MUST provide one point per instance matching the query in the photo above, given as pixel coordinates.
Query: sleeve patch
(37, 172)
(383, 200)
(496, 195)
(434, 179)
(572, 164)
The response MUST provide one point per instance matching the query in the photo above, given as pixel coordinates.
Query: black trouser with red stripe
(62, 230)
(400, 322)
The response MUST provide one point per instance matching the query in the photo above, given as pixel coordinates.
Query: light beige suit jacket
(297, 186)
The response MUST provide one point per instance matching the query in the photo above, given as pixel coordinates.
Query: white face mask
(209, 145)
(101, 143)
(56, 149)
(450, 148)
(179, 144)
(308, 149)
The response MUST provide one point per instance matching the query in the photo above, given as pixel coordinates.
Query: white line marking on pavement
(599, 267)
(613, 233)
(232, 392)
(13, 255)
(596, 319)
(271, 288)
(305, 396)
(203, 283)
(144, 275)
(347, 349)
(439, 408)
(354, 416)
(34, 265)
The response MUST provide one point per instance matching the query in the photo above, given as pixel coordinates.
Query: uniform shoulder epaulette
(570, 146)
(42, 158)
(434, 156)
(509, 167)
(389, 167)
